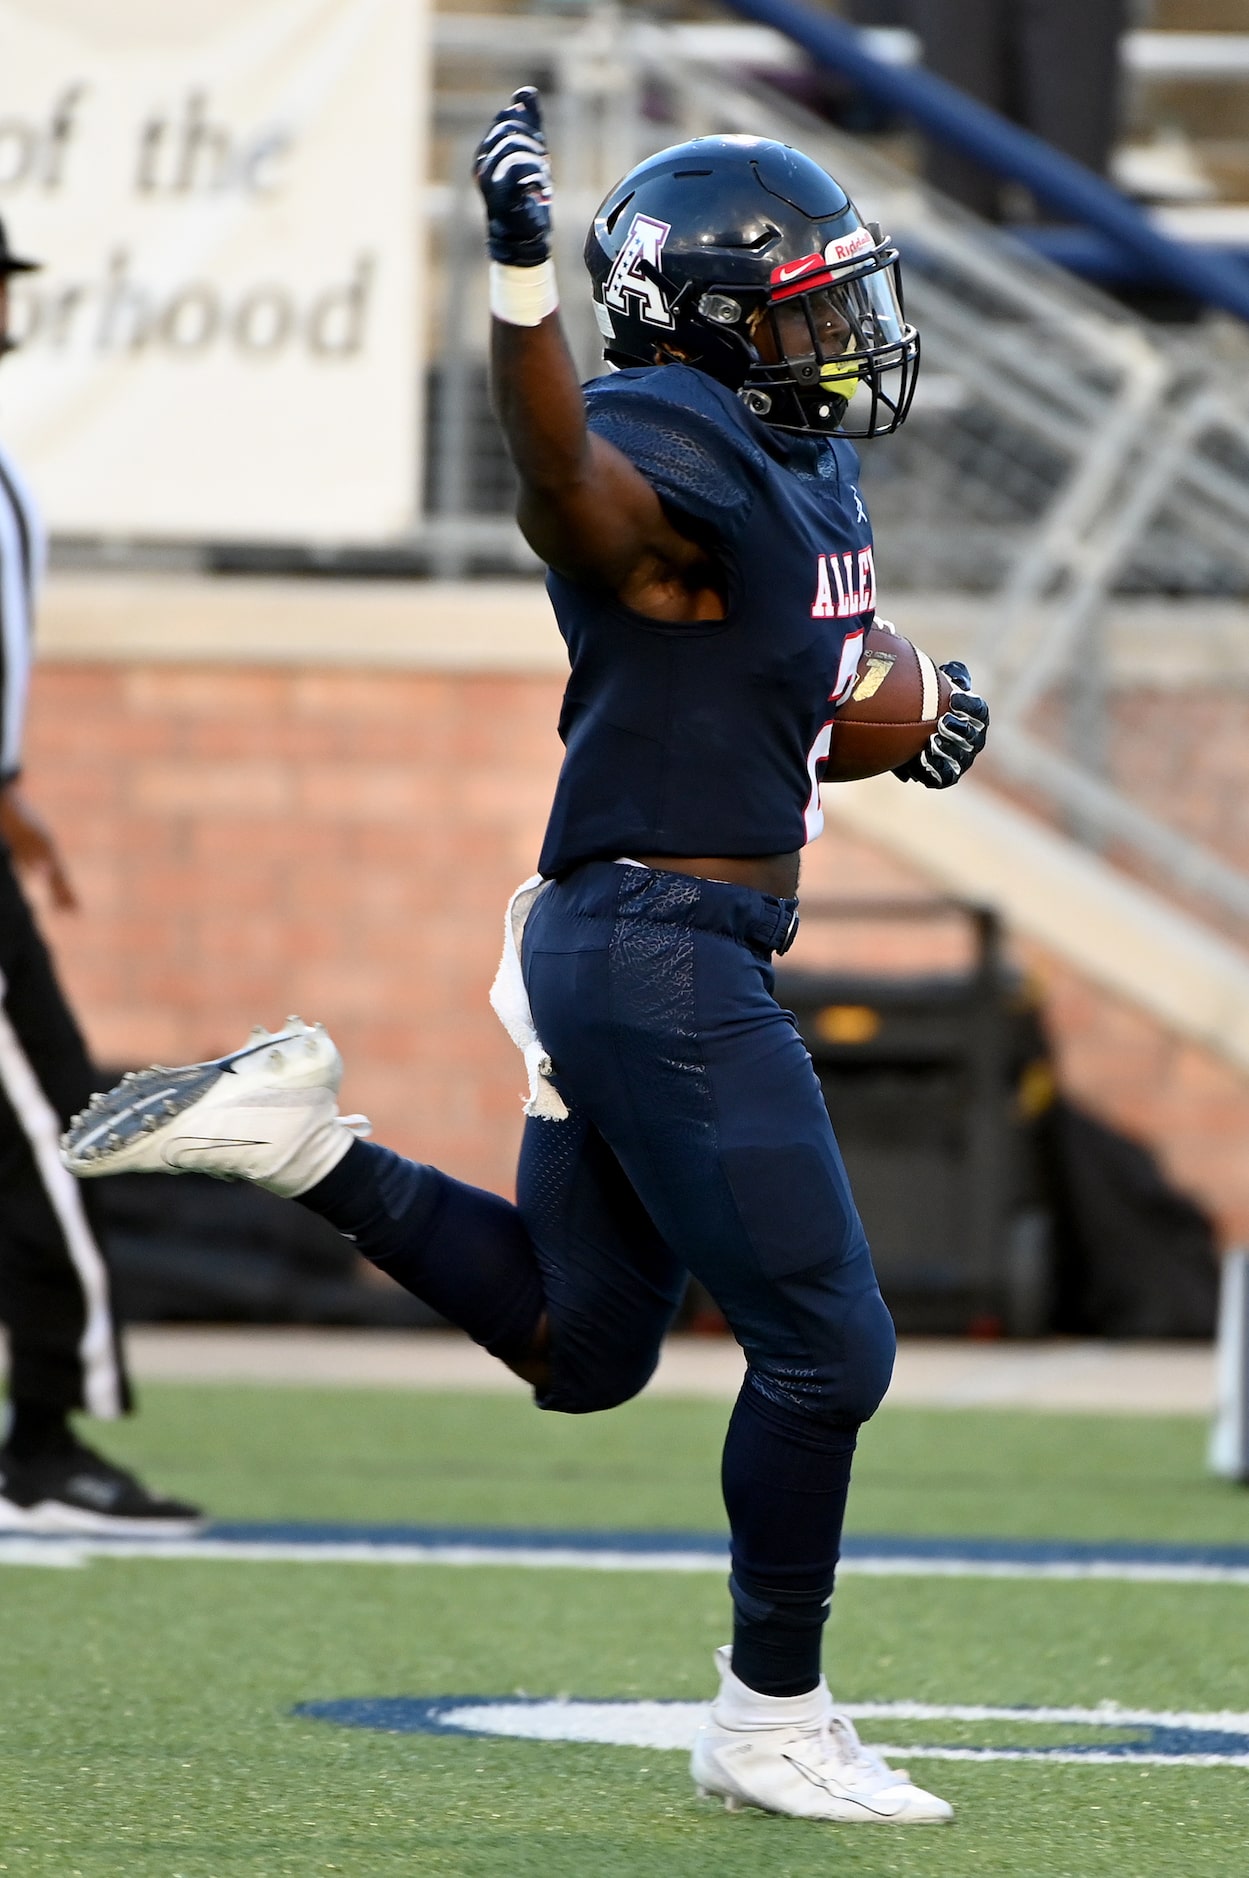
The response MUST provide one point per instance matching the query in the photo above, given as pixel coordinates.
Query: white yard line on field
(62, 1551)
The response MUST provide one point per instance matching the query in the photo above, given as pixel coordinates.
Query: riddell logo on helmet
(632, 278)
(849, 247)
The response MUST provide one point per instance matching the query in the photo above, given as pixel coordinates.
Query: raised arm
(583, 506)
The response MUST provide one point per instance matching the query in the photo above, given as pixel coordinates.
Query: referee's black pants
(54, 1282)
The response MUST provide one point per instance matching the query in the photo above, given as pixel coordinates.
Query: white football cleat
(796, 1755)
(267, 1113)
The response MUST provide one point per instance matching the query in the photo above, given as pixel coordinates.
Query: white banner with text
(223, 340)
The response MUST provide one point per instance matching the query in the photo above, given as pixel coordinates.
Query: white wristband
(523, 296)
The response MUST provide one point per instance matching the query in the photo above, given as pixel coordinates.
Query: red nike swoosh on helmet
(791, 271)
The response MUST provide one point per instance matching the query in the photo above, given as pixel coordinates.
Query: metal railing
(973, 129)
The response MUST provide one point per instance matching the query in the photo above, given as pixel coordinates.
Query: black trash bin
(935, 1085)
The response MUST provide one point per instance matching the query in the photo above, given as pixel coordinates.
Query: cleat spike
(295, 1022)
(732, 1804)
(265, 1114)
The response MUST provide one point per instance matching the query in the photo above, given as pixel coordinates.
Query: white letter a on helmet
(628, 279)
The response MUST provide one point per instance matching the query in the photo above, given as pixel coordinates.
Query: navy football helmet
(744, 258)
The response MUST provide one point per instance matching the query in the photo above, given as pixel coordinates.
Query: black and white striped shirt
(22, 552)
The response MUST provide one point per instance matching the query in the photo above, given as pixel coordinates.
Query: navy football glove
(958, 739)
(514, 175)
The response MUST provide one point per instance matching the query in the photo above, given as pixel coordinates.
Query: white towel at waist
(511, 1005)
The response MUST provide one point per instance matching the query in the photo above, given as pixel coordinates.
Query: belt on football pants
(763, 920)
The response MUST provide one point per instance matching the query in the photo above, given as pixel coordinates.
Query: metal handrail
(1107, 815)
(981, 133)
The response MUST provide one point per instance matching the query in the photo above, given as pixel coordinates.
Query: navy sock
(462, 1251)
(785, 1477)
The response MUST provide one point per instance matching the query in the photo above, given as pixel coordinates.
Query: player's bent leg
(611, 1283)
(266, 1113)
(461, 1250)
(572, 1288)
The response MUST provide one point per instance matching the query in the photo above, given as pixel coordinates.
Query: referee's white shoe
(796, 1755)
(267, 1113)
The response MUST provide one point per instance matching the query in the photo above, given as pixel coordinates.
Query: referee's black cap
(11, 263)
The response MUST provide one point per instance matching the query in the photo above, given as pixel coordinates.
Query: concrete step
(973, 843)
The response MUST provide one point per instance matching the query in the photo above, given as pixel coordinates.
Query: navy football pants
(698, 1141)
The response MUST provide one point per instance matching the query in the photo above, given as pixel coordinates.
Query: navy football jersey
(708, 738)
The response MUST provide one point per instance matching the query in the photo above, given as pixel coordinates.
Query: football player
(685, 505)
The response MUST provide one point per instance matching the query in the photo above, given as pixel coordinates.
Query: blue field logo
(1104, 1736)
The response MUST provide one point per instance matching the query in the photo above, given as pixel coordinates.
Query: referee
(64, 1351)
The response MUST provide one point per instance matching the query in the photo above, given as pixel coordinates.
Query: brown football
(889, 716)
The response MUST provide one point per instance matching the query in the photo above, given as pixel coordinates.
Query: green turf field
(145, 1707)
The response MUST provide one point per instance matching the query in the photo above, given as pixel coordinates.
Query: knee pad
(850, 1369)
(871, 1345)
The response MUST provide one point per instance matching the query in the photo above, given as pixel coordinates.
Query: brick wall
(250, 841)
